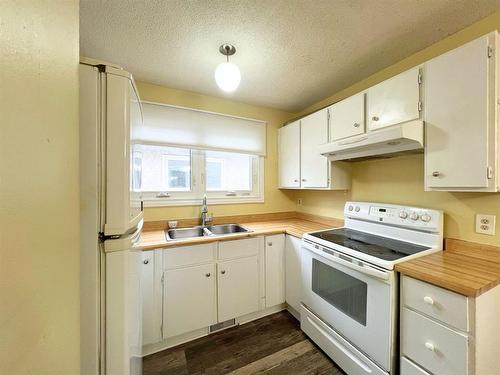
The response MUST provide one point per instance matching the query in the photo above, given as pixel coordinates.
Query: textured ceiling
(291, 53)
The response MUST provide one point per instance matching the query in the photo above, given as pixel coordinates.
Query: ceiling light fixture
(227, 75)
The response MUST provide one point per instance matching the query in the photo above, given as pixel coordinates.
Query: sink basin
(181, 233)
(226, 229)
(212, 230)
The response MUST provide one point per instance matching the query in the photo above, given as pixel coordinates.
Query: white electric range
(349, 286)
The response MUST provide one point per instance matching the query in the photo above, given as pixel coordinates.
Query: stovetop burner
(370, 244)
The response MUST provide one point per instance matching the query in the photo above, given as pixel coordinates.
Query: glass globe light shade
(227, 76)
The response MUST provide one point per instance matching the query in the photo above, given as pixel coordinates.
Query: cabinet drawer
(239, 248)
(409, 368)
(448, 307)
(433, 346)
(188, 255)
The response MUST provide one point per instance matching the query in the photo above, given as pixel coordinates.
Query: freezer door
(123, 163)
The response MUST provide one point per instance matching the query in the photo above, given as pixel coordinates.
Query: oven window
(344, 292)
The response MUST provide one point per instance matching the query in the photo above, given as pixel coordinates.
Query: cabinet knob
(304, 180)
(145, 261)
(207, 274)
(223, 272)
(428, 300)
(429, 346)
(375, 118)
(269, 244)
(356, 125)
(435, 174)
(295, 180)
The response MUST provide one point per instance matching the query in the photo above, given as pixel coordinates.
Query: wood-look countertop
(155, 239)
(463, 267)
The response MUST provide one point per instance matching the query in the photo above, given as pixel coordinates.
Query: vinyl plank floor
(273, 345)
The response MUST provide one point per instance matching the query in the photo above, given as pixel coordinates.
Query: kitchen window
(181, 176)
(186, 153)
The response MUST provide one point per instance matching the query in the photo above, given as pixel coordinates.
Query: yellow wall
(275, 200)
(39, 196)
(401, 180)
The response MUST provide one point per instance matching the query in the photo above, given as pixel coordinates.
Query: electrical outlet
(299, 202)
(485, 224)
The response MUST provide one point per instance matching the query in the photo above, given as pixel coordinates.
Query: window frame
(198, 187)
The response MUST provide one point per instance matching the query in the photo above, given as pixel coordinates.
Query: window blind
(185, 127)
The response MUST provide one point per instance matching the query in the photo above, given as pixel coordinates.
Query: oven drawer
(433, 346)
(449, 307)
(350, 359)
(409, 368)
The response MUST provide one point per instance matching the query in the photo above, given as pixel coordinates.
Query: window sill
(166, 202)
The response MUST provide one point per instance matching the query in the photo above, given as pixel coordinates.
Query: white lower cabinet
(446, 333)
(190, 295)
(410, 368)
(293, 282)
(187, 289)
(275, 269)
(152, 296)
(238, 287)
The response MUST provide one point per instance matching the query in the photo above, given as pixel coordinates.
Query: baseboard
(295, 313)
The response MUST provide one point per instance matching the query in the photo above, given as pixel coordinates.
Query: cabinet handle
(304, 180)
(295, 180)
(207, 274)
(146, 261)
(428, 300)
(269, 244)
(223, 272)
(435, 174)
(356, 125)
(429, 346)
(375, 118)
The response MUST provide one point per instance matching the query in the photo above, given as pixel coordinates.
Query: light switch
(485, 224)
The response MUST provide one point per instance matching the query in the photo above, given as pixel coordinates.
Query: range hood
(396, 139)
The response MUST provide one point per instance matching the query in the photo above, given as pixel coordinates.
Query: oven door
(356, 299)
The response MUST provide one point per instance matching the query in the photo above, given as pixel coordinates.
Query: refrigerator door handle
(122, 243)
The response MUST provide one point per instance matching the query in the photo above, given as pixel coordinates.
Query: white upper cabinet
(395, 100)
(313, 165)
(289, 155)
(347, 117)
(301, 166)
(460, 117)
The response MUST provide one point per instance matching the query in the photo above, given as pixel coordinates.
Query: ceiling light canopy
(227, 75)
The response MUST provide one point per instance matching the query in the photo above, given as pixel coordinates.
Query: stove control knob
(414, 216)
(357, 209)
(403, 214)
(351, 208)
(425, 218)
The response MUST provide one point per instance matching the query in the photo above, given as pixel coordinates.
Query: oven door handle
(367, 270)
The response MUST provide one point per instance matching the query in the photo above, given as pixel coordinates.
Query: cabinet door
(347, 118)
(289, 155)
(313, 165)
(456, 117)
(190, 299)
(152, 297)
(238, 287)
(394, 101)
(275, 270)
(293, 277)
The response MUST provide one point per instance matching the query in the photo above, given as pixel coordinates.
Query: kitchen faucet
(205, 218)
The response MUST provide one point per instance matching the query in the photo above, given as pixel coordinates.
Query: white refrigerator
(111, 221)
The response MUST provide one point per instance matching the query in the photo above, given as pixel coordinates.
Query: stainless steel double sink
(199, 231)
